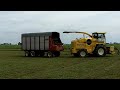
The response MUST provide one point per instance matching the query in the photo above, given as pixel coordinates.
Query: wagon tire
(49, 54)
(27, 54)
(32, 53)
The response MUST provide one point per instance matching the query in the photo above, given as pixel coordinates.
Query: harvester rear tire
(82, 53)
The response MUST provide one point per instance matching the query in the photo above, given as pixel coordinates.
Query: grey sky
(14, 23)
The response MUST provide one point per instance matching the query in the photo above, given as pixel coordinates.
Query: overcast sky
(14, 23)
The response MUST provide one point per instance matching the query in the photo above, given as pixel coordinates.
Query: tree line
(19, 43)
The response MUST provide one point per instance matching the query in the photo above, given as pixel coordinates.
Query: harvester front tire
(100, 51)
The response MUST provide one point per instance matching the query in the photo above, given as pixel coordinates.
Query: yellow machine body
(90, 47)
(76, 45)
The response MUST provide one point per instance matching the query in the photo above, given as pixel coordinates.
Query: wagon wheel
(32, 53)
(27, 54)
(49, 54)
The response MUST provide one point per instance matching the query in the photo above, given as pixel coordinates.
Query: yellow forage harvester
(94, 44)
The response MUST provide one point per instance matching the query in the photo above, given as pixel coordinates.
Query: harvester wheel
(82, 53)
(100, 51)
(49, 54)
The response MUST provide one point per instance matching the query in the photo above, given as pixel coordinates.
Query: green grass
(13, 65)
(9, 47)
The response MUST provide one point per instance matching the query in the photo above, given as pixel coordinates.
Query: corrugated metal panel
(36, 43)
(42, 46)
(23, 43)
(41, 43)
(32, 43)
(28, 43)
(46, 42)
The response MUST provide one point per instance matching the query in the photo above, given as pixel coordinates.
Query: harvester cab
(99, 36)
(94, 45)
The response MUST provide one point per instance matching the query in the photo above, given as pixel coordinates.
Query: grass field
(13, 65)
